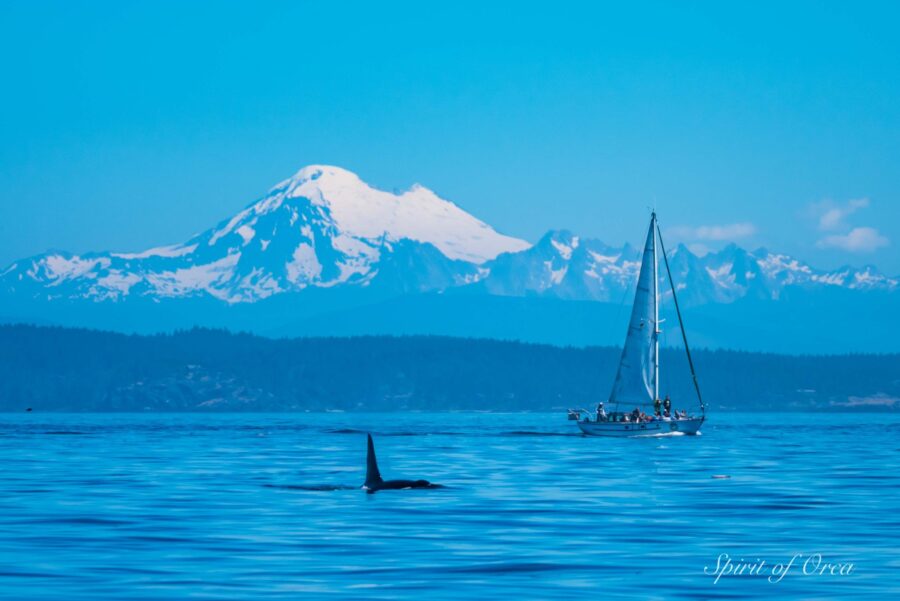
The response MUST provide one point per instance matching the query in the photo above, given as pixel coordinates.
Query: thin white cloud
(857, 240)
(731, 231)
(832, 216)
(699, 249)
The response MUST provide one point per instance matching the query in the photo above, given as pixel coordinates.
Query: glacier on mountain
(324, 228)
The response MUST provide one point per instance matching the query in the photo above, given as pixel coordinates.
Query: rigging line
(687, 350)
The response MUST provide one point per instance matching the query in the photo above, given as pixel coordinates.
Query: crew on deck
(638, 416)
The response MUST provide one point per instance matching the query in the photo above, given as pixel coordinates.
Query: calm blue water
(214, 507)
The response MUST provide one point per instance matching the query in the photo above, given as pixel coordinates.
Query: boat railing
(626, 417)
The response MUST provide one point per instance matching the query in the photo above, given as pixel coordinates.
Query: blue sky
(129, 125)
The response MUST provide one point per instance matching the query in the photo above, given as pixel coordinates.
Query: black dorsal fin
(373, 476)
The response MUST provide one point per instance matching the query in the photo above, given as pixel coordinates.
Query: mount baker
(324, 253)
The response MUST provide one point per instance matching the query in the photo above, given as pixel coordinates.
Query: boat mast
(687, 349)
(654, 225)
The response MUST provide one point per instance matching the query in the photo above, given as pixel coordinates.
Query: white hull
(690, 426)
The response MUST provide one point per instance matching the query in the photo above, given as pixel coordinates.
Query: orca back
(373, 476)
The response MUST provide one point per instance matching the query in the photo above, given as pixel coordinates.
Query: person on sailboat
(601, 412)
(656, 404)
(667, 405)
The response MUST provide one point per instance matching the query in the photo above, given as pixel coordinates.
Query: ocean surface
(251, 506)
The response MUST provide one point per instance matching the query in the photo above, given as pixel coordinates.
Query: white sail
(636, 379)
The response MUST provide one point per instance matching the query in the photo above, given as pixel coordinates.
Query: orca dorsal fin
(373, 476)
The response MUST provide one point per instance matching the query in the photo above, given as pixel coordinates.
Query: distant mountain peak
(325, 228)
(321, 227)
(365, 212)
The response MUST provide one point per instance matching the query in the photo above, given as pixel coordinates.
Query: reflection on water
(268, 506)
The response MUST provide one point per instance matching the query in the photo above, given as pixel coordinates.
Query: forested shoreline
(61, 369)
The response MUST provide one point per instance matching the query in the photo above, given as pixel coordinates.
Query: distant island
(62, 369)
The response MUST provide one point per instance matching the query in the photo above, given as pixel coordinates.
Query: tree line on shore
(62, 369)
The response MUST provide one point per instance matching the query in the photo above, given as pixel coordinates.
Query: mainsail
(636, 379)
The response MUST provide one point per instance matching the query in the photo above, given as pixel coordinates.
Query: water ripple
(250, 506)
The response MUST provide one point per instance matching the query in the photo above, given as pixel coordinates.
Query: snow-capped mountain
(323, 252)
(323, 227)
(562, 265)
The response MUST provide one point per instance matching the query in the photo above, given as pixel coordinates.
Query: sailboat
(637, 380)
